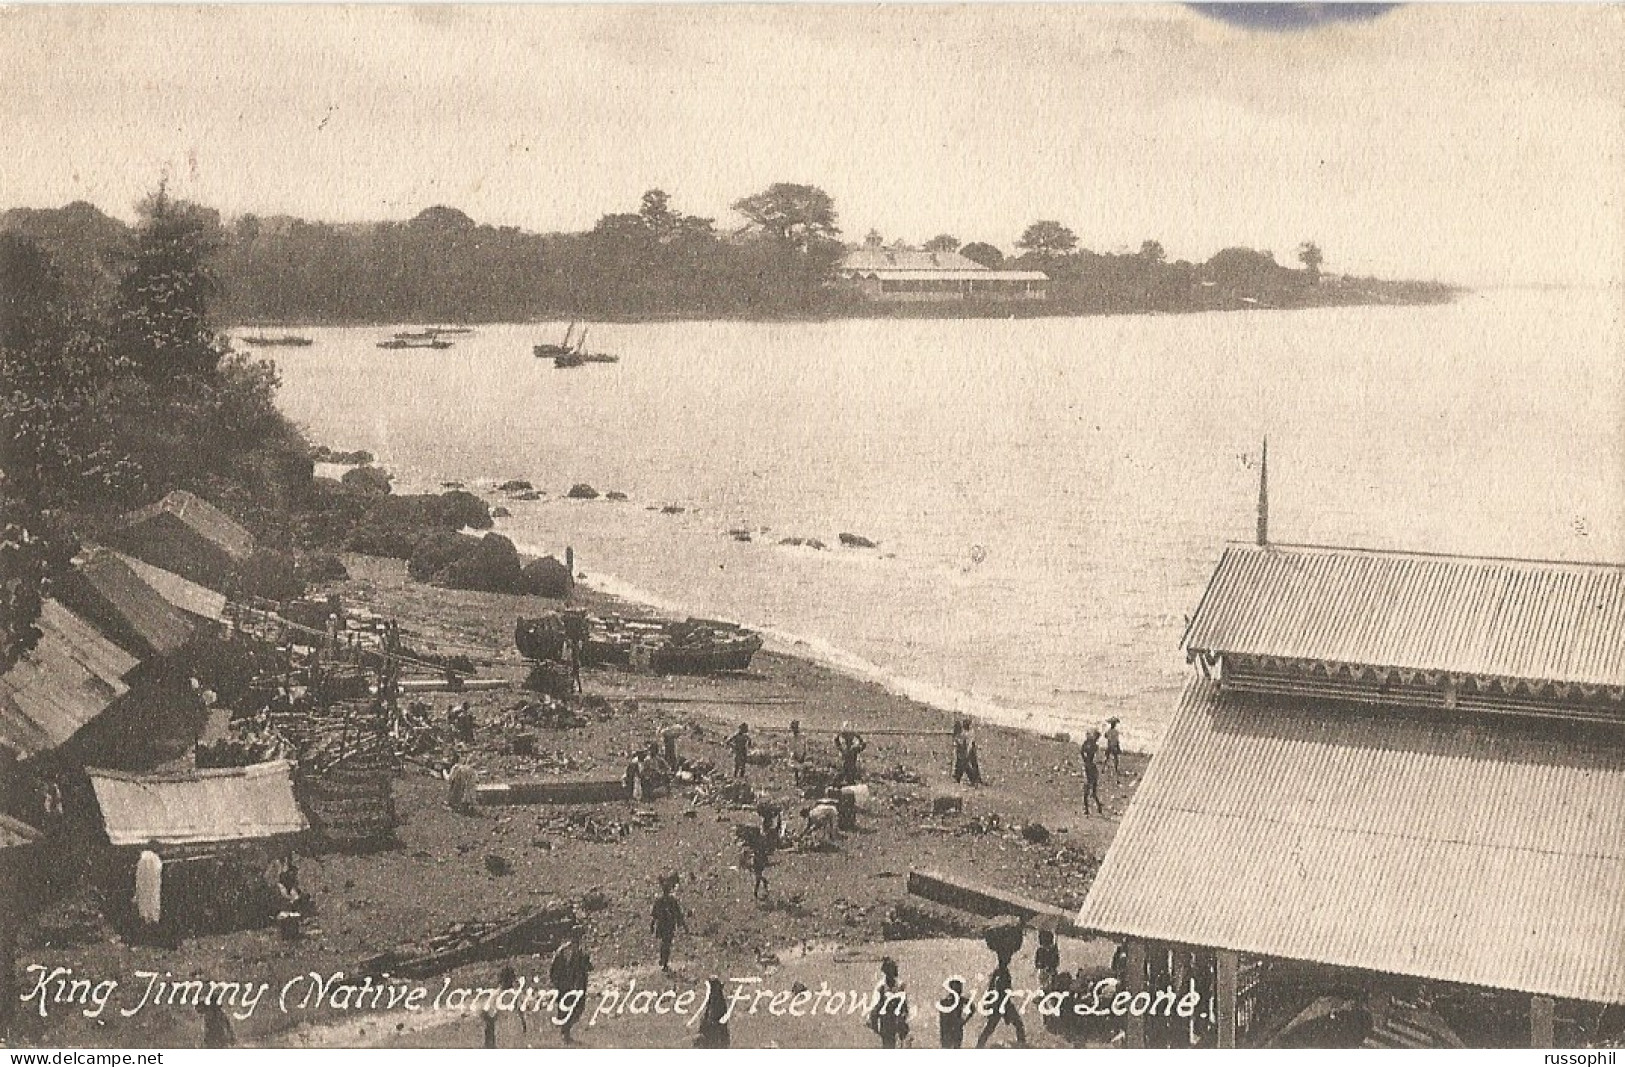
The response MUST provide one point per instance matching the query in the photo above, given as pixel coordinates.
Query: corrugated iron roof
(14, 834)
(180, 592)
(205, 807)
(956, 275)
(1487, 853)
(136, 606)
(1496, 618)
(867, 259)
(201, 516)
(70, 677)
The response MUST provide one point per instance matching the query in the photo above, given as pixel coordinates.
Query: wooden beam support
(1225, 997)
(1542, 1023)
(1134, 982)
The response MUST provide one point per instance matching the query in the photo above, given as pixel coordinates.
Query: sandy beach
(826, 916)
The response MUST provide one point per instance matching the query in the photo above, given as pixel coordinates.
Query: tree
(983, 253)
(1153, 251)
(796, 215)
(57, 448)
(161, 311)
(1310, 256)
(942, 242)
(1047, 238)
(657, 215)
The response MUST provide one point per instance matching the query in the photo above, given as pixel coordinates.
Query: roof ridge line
(1424, 554)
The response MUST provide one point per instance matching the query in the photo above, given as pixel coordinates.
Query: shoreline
(862, 314)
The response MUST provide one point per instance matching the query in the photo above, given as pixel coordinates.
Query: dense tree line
(115, 388)
(777, 260)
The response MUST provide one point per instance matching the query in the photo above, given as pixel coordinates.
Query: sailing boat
(545, 351)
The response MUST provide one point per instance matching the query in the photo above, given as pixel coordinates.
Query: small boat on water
(286, 340)
(576, 355)
(564, 348)
(414, 341)
(577, 359)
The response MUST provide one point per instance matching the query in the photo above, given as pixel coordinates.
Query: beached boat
(419, 341)
(286, 340)
(694, 646)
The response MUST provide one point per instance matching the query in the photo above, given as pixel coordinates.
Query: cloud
(1285, 18)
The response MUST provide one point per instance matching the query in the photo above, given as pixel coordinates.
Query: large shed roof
(133, 612)
(202, 517)
(182, 593)
(1488, 853)
(1528, 620)
(205, 807)
(72, 675)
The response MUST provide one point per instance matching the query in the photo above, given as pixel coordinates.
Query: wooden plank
(1134, 982)
(590, 791)
(440, 685)
(989, 901)
(1542, 1022)
(1225, 997)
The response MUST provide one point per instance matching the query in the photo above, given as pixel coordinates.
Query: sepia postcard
(812, 526)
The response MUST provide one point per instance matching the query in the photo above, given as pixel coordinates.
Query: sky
(1479, 144)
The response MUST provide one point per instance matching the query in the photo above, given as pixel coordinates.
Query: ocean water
(1049, 495)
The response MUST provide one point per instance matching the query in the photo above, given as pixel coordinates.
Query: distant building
(1387, 810)
(902, 277)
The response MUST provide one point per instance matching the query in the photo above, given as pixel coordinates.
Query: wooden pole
(1542, 1023)
(1225, 997)
(1134, 980)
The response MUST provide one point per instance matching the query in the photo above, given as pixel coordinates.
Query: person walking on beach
(1047, 959)
(569, 972)
(850, 744)
(489, 1015)
(1091, 772)
(889, 1016)
(667, 918)
(740, 743)
(217, 1031)
(1114, 748)
(951, 1012)
(761, 853)
(1003, 1007)
(966, 762)
(798, 750)
(714, 1019)
(668, 737)
(462, 781)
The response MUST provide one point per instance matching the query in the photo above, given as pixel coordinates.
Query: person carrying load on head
(850, 745)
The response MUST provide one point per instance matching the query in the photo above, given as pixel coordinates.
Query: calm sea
(1049, 495)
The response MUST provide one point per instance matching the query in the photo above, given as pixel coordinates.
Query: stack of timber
(979, 899)
(590, 791)
(537, 933)
(351, 802)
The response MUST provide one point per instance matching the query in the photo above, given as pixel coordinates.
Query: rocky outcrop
(852, 540)
(548, 577)
(367, 479)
